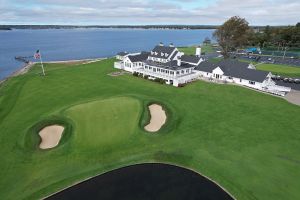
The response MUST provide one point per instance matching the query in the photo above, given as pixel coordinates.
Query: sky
(144, 12)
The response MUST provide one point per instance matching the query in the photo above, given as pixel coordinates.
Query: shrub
(157, 80)
(146, 76)
(162, 81)
(135, 74)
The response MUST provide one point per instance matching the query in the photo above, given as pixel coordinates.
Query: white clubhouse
(176, 68)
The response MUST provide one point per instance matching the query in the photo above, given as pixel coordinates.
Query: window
(252, 82)
(182, 71)
(150, 68)
(167, 71)
(187, 71)
(158, 69)
(230, 77)
(146, 67)
(172, 73)
(207, 73)
(178, 72)
(154, 69)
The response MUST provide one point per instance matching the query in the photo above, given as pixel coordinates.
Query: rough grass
(283, 70)
(246, 141)
(192, 50)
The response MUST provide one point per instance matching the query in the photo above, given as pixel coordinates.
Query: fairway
(246, 141)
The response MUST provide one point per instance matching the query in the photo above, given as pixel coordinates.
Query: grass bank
(192, 49)
(283, 70)
(246, 141)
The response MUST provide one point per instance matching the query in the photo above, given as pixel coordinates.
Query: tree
(232, 34)
(298, 24)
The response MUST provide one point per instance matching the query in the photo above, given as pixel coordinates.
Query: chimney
(198, 51)
(171, 45)
(179, 61)
(161, 44)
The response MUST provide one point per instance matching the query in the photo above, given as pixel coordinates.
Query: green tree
(234, 33)
(298, 24)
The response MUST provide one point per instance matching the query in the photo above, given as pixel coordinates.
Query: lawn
(246, 141)
(192, 49)
(283, 70)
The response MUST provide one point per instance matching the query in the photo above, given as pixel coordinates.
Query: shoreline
(18, 72)
(27, 67)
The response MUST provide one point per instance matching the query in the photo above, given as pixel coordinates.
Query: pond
(143, 182)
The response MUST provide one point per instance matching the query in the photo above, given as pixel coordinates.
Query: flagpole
(42, 64)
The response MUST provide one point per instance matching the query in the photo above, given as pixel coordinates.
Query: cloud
(98, 12)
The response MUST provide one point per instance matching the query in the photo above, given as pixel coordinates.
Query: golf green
(246, 141)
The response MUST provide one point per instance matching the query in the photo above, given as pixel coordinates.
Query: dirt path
(158, 118)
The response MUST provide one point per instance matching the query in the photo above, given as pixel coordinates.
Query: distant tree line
(5, 28)
(236, 33)
(110, 26)
(191, 27)
(277, 37)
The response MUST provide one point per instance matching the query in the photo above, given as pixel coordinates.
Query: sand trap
(51, 136)
(158, 118)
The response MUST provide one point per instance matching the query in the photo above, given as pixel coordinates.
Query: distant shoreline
(160, 27)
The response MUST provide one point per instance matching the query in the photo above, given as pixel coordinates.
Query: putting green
(100, 124)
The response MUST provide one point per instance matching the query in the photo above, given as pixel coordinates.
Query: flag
(37, 55)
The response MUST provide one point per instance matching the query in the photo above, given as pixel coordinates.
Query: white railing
(157, 75)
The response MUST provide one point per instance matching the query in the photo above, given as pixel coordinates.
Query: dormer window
(152, 52)
(156, 53)
(166, 54)
(162, 54)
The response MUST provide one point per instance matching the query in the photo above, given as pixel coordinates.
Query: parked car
(291, 80)
(286, 80)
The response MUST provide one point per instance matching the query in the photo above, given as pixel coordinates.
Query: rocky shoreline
(18, 72)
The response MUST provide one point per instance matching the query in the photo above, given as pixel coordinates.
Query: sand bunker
(158, 118)
(51, 136)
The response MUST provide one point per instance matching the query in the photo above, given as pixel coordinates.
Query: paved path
(293, 97)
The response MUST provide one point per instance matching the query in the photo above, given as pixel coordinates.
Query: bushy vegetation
(236, 33)
(277, 38)
(159, 80)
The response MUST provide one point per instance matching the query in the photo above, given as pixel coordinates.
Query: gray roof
(206, 66)
(124, 53)
(174, 54)
(190, 59)
(238, 69)
(235, 69)
(294, 86)
(140, 57)
(159, 50)
(172, 65)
